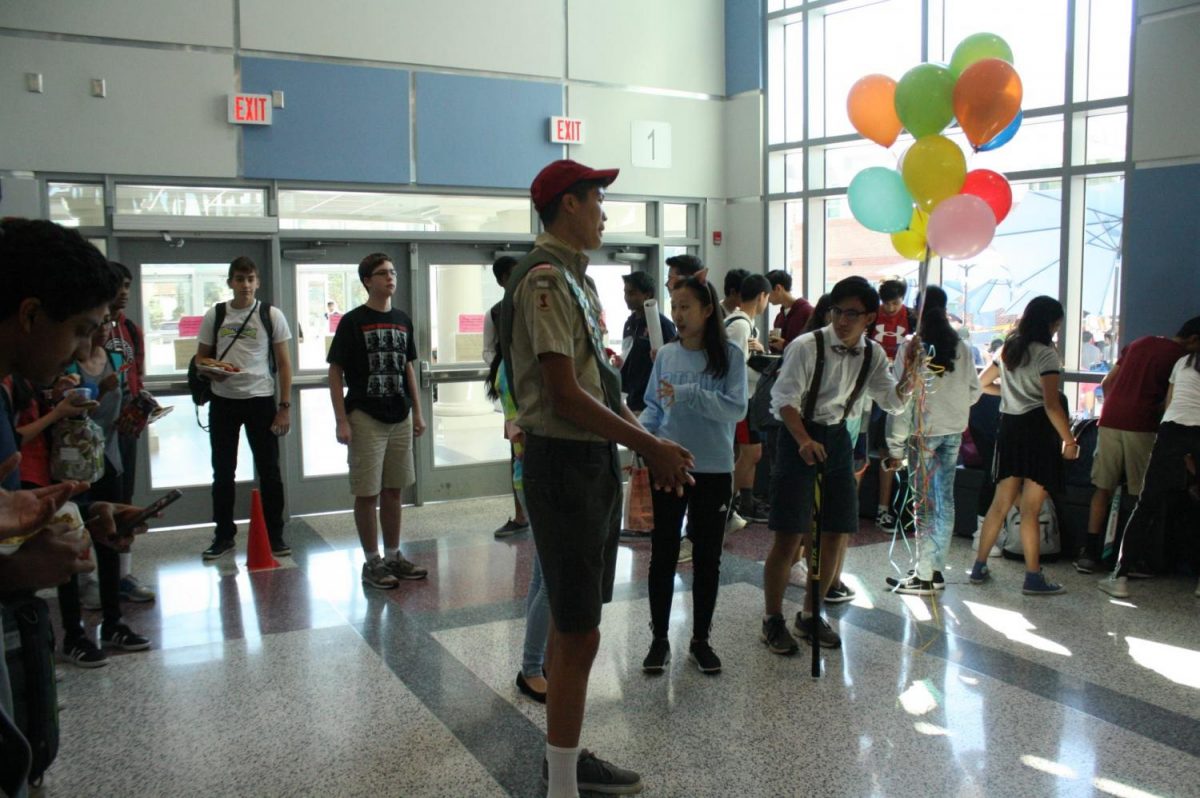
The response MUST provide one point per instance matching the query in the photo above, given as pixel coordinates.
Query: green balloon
(925, 99)
(879, 200)
(977, 47)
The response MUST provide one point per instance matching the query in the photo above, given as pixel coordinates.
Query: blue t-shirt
(706, 408)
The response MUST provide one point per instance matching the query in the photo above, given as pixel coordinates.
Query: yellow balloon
(934, 169)
(911, 243)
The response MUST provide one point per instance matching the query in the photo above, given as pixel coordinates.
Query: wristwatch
(285, 404)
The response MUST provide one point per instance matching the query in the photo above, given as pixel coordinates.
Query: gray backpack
(1051, 539)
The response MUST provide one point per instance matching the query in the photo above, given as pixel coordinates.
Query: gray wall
(1161, 267)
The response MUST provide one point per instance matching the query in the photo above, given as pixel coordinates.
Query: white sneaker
(1115, 586)
(799, 573)
(734, 523)
(685, 550)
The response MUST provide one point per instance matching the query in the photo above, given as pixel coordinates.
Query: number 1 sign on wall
(651, 144)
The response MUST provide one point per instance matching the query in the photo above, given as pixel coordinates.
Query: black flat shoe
(524, 687)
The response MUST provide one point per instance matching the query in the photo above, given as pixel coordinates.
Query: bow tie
(847, 350)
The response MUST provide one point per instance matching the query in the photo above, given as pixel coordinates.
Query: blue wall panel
(339, 123)
(1162, 251)
(483, 131)
(743, 46)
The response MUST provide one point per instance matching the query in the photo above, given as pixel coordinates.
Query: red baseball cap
(559, 176)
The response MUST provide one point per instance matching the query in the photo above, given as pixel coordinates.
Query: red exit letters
(565, 130)
(250, 109)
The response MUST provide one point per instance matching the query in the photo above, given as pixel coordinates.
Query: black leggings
(1166, 472)
(707, 506)
(108, 568)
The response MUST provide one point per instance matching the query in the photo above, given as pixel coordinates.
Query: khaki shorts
(1120, 452)
(380, 455)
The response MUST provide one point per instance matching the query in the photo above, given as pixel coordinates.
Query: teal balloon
(1004, 136)
(880, 201)
(977, 47)
(925, 99)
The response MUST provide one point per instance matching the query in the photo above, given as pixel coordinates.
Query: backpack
(29, 655)
(1051, 536)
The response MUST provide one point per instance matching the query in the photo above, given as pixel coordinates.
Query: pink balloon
(961, 227)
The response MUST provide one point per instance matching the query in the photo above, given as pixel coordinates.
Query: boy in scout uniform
(569, 405)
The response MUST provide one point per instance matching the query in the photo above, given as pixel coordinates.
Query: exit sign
(565, 130)
(250, 109)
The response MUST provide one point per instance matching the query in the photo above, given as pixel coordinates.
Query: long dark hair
(716, 344)
(1040, 315)
(820, 314)
(935, 328)
(1190, 328)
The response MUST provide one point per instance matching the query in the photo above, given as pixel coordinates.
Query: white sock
(882, 509)
(126, 563)
(391, 554)
(371, 556)
(805, 615)
(561, 764)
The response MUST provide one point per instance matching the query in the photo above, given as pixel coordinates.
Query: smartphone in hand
(127, 527)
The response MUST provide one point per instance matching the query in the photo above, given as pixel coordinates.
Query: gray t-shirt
(1021, 387)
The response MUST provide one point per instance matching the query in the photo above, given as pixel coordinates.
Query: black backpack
(760, 416)
(29, 654)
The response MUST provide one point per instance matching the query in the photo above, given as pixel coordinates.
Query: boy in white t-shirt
(246, 397)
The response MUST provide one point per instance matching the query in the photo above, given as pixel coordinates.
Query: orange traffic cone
(258, 550)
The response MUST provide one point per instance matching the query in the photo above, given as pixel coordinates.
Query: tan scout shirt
(546, 319)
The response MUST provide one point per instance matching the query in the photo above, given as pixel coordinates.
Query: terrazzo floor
(300, 681)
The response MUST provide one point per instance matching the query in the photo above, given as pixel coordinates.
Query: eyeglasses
(384, 273)
(849, 313)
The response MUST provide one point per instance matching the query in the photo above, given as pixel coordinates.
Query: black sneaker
(839, 594)
(83, 653)
(219, 548)
(825, 634)
(122, 637)
(280, 549)
(701, 653)
(660, 654)
(754, 511)
(511, 527)
(911, 586)
(593, 774)
(777, 637)
(939, 581)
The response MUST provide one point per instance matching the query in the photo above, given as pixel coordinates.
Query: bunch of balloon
(930, 202)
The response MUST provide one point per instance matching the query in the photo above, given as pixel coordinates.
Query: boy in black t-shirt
(371, 355)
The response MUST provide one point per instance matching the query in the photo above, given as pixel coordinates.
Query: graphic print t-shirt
(373, 349)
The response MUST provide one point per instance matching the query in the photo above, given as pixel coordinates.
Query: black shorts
(792, 483)
(573, 496)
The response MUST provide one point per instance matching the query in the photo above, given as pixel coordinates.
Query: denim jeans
(935, 520)
(537, 603)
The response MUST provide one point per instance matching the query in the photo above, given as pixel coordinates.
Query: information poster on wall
(651, 144)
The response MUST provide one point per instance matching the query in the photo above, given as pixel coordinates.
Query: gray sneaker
(777, 637)
(1115, 586)
(825, 634)
(375, 573)
(593, 774)
(405, 569)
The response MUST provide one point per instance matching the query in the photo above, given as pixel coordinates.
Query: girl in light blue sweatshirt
(695, 397)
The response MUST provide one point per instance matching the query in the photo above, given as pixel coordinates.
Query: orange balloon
(871, 105)
(987, 97)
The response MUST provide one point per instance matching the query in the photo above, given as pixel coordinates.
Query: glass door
(321, 279)
(174, 283)
(465, 453)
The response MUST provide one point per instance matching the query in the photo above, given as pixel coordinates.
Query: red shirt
(35, 452)
(1134, 399)
(792, 321)
(890, 329)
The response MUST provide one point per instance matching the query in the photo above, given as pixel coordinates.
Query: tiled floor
(299, 681)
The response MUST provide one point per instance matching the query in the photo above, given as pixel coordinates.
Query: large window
(1067, 165)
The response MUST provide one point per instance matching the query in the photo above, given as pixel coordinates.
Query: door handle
(426, 375)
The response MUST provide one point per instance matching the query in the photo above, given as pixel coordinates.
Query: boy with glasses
(371, 356)
(812, 402)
